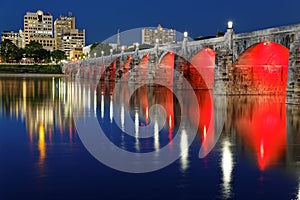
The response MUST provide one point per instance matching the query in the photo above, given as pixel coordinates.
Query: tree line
(10, 53)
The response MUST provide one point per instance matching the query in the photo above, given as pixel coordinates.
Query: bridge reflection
(260, 122)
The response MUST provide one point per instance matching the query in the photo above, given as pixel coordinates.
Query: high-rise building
(159, 35)
(68, 38)
(16, 37)
(38, 27)
(61, 24)
(73, 39)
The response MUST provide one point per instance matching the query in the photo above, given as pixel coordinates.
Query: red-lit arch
(167, 67)
(201, 71)
(262, 69)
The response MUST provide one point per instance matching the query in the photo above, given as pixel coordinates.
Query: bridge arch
(199, 71)
(261, 69)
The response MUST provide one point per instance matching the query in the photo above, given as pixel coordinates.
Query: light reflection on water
(261, 134)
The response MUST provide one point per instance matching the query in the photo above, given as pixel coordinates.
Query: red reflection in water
(206, 122)
(263, 128)
(146, 97)
(201, 71)
(263, 68)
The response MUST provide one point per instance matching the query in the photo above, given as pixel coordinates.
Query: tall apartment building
(61, 24)
(68, 38)
(163, 36)
(73, 39)
(16, 37)
(38, 27)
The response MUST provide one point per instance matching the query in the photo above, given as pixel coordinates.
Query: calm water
(42, 157)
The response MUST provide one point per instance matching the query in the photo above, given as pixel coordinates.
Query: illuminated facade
(61, 24)
(38, 27)
(16, 37)
(72, 39)
(163, 36)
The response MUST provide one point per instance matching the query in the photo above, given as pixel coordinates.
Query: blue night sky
(101, 19)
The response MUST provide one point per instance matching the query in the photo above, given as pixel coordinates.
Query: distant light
(102, 52)
(230, 25)
(111, 50)
(123, 48)
(157, 40)
(185, 34)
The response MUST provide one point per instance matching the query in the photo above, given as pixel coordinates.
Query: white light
(227, 168)
(137, 122)
(102, 53)
(230, 25)
(122, 118)
(185, 34)
(184, 150)
(156, 136)
(111, 51)
(157, 40)
(111, 109)
(102, 106)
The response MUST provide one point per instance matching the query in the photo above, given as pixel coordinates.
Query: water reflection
(260, 123)
(42, 106)
(227, 168)
(261, 129)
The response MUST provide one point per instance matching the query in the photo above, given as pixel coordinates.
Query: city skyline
(102, 19)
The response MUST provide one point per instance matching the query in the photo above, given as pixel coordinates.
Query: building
(75, 54)
(61, 24)
(16, 37)
(159, 35)
(72, 39)
(38, 27)
(67, 37)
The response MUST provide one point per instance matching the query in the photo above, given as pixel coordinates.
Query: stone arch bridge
(263, 62)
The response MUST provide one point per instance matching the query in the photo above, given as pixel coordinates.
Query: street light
(229, 24)
(102, 53)
(95, 54)
(185, 34)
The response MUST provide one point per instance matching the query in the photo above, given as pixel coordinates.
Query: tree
(36, 51)
(10, 52)
(58, 56)
(98, 48)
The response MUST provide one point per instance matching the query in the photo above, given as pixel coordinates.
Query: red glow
(167, 62)
(263, 129)
(263, 68)
(202, 70)
(126, 66)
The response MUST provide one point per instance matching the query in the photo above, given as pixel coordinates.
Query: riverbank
(30, 69)
(24, 75)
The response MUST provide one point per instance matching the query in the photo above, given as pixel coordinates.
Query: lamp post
(229, 25)
(137, 49)
(229, 34)
(111, 52)
(102, 54)
(185, 43)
